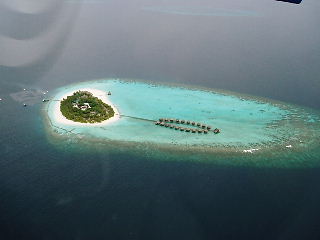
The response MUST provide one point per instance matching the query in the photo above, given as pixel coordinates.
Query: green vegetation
(83, 107)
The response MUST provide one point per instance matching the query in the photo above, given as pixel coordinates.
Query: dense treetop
(83, 107)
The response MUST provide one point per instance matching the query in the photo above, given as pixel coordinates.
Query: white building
(85, 106)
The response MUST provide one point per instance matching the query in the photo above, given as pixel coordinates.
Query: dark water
(61, 191)
(72, 193)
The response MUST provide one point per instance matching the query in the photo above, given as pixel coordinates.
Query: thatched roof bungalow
(216, 130)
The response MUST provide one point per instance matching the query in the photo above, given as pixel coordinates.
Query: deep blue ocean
(63, 191)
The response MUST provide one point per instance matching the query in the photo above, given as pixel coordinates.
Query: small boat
(24, 104)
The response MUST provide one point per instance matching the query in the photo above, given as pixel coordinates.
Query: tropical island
(255, 131)
(83, 107)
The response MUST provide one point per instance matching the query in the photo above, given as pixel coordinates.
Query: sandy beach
(95, 92)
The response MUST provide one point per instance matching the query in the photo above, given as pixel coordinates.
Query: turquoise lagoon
(254, 131)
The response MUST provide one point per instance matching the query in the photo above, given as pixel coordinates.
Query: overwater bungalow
(205, 131)
(183, 121)
(171, 120)
(203, 126)
(216, 130)
(161, 119)
(162, 124)
(193, 123)
(193, 130)
(208, 127)
(171, 126)
(109, 93)
(166, 125)
(198, 124)
(188, 130)
(188, 122)
(157, 123)
(176, 128)
(199, 131)
(182, 129)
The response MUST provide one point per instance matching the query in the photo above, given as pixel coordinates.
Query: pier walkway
(195, 127)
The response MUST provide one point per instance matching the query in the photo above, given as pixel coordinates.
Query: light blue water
(245, 122)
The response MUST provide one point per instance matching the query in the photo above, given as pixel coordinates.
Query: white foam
(252, 150)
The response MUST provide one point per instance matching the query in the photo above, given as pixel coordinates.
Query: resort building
(84, 107)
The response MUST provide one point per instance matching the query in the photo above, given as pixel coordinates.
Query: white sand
(97, 93)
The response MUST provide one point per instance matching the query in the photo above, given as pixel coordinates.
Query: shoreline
(262, 140)
(59, 118)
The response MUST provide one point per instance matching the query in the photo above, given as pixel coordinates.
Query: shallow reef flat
(254, 131)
